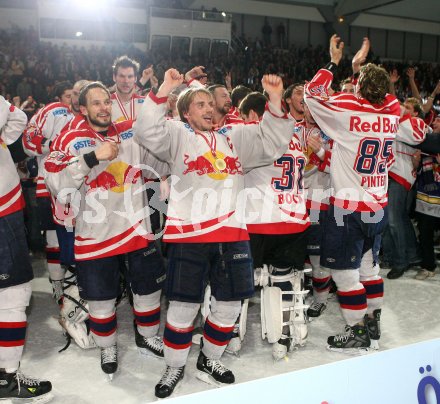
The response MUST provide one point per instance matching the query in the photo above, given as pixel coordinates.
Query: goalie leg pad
(292, 306)
(271, 314)
(79, 332)
(242, 321)
(74, 308)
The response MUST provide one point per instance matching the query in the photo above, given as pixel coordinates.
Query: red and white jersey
(208, 200)
(123, 111)
(317, 171)
(111, 209)
(234, 111)
(363, 135)
(413, 131)
(12, 123)
(42, 129)
(62, 213)
(276, 202)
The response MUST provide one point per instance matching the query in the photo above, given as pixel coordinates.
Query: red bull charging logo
(117, 177)
(206, 165)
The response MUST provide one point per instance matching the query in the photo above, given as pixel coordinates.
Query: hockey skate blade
(148, 353)
(374, 344)
(44, 398)
(233, 353)
(350, 351)
(207, 378)
(109, 377)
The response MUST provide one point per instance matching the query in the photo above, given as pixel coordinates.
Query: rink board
(409, 374)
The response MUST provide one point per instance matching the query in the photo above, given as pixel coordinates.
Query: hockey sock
(103, 322)
(177, 337)
(351, 295)
(219, 326)
(321, 280)
(146, 310)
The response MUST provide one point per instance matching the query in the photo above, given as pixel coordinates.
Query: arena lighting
(78, 34)
(223, 14)
(88, 4)
(341, 19)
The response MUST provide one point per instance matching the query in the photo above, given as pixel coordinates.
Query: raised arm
(361, 56)
(316, 92)
(151, 129)
(410, 72)
(261, 144)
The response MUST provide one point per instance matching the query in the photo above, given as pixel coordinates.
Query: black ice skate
(169, 381)
(23, 389)
(373, 326)
(213, 372)
(152, 346)
(354, 341)
(109, 360)
(316, 309)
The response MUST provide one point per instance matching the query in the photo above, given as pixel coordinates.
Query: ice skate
(315, 310)
(18, 388)
(109, 361)
(169, 381)
(213, 372)
(152, 346)
(354, 341)
(373, 326)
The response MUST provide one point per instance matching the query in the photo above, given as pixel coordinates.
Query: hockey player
(205, 231)
(222, 106)
(317, 185)
(15, 285)
(125, 100)
(237, 95)
(102, 162)
(293, 97)
(277, 221)
(363, 127)
(40, 132)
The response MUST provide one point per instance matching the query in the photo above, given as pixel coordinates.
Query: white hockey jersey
(363, 135)
(43, 127)
(12, 123)
(413, 130)
(276, 202)
(316, 175)
(207, 200)
(112, 214)
(123, 111)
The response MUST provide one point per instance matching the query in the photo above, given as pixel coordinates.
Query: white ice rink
(410, 314)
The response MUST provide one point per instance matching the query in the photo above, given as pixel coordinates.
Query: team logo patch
(4, 277)
(320, 91)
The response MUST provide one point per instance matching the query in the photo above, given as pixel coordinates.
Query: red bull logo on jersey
(217, 168)
(117, 177)
(382, 124)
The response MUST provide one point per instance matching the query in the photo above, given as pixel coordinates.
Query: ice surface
(410, 314)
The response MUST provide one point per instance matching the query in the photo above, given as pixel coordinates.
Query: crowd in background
(29, 67)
